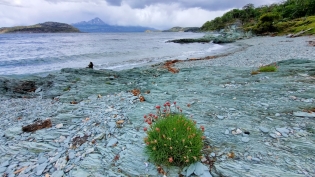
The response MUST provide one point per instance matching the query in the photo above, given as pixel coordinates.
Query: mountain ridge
(96, 25)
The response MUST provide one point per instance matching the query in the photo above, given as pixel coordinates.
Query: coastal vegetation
(172, 138)
(47, 27)
(289, 16)
(182, 29)
(265, 68)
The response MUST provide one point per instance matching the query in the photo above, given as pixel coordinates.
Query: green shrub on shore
(173, 139)
(268, 68)
(265, 68)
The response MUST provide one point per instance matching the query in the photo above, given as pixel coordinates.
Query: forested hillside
(288, 16)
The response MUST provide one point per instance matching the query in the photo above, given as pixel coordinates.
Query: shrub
(268, 68)
(172, 139)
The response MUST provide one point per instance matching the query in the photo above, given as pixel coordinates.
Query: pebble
(220, 117)
(2, 169)
(273, 135)
(304, 114)
(112, 142)
(237, 132)
(71, 154)
(283, 130)
(245, 139)
(264, 129)
(227, 132)
(42, 160)
(57, 173)
(5, 164)
(59, 125)
(256, 159)
(41, 168)
(212, 154)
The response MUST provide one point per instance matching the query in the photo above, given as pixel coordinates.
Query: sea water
(42, 53)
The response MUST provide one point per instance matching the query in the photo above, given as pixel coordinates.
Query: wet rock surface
(255, 125)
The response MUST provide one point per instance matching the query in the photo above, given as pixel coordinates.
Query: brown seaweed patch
(169, 66)
(135, 92)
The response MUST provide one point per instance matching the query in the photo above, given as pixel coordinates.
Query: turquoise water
(37, 53)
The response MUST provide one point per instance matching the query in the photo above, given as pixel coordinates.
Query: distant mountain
(183, 29)
(96, 25)
(95, 21)
(47, 27)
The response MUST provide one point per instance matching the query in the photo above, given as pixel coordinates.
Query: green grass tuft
(174, 140)
(268, 68)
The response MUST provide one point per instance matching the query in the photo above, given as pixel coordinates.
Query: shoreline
(221, 93)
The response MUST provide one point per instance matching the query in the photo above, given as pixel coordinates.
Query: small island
(47, 27)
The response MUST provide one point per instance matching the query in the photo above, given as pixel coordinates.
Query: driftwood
(37, 125)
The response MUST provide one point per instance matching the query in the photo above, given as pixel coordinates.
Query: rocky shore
(255, 125)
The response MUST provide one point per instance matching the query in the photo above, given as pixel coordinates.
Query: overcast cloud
(160, 14)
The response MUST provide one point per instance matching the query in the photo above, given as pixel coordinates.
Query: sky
(159, 14)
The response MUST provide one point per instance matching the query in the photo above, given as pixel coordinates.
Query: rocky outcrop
(230, 34)
(47, 27)
(183, 29)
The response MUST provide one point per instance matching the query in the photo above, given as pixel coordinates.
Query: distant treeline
(262, 19)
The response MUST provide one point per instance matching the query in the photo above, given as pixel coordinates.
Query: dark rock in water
(184, 41)
(221, 40)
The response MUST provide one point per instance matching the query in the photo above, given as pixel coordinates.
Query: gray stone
(264, 104)
(304, 114)
(37, 147)
(79, 172)
(38, 89)
(71, 154)
(245, 139)
(54, 159)
(285, 135)
(212, 154)
(227, 132)
(273, 135)
(41, 168)
(12, 132)
(264, 129)
(5, 164)
(42, 160)
(92, 162)
(256, 159)
(100, 136)
(61, 163)
(190, 169)
(2, 169)
(57, 173)
(283, 130)
(206, 174)
(199, 168)
(220, 117)
(112, 142)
